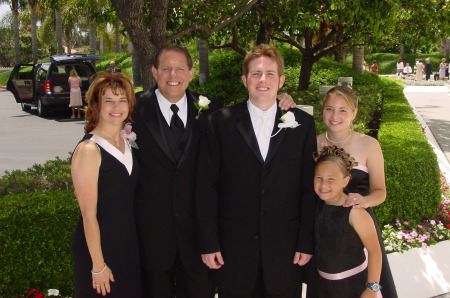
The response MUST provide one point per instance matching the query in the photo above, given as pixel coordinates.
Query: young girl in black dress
(348, 252)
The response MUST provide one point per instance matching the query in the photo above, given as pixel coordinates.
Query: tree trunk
(358, 58)
(117, 47)
(340, 54)
(402, 51)
(136, 67)
(447, 49)
(203, 61)
(305, 71)
(101, 44)
(92, 38)
(15, 13)
(59, 31)
(264, 33)
(130, 13)
(34, 41)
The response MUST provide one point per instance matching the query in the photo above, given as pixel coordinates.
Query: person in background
(104, 173)
(400, 67)
(443, 68)
(407, 70)
(348, 253)
(112, 67)
(75, 94)
(428, 69)
(374, 67)
(419, 70)
(367, 188)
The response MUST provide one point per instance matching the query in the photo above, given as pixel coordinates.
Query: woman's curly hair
(337, 155)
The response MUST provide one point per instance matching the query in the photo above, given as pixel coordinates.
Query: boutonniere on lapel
(202, 105)
(287, 121)
(129, 135)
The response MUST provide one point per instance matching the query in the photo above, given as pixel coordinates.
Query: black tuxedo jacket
(256, 212)
(109, 69)
(164, 201)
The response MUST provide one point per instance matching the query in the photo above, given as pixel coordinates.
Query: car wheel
(25, 107)
(41, 108)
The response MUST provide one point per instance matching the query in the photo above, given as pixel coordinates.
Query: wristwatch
(374, 286)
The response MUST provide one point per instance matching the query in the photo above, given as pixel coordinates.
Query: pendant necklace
(337, 142)
(117, 142)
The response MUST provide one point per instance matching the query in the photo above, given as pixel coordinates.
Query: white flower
(432, 222)
(203, 102)
(53, 292)
(288, 121)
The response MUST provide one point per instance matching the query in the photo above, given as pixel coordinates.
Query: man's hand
(286, 102)
(301, 258)
(213, 261)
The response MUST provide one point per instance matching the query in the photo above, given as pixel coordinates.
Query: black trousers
(178, 281)
(259, 290)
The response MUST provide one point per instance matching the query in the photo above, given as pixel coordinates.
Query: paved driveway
(26, 139)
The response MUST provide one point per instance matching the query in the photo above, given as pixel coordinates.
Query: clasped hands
(215, 260)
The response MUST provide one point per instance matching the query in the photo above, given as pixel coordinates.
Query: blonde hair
(263, 50)
(345, 92)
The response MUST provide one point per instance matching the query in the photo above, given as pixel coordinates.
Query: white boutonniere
(287, 121)
(202, 105)
(129, 135)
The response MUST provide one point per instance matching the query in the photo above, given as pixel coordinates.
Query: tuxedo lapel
(276, 140)
(245, 127)
(153, 120)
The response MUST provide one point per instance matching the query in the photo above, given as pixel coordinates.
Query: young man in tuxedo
(255, 201)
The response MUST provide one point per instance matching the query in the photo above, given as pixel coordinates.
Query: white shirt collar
(164, 106)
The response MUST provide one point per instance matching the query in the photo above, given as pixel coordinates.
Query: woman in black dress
(104, 175)
(367, 188)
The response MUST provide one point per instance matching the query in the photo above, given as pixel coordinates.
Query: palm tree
(34, 41)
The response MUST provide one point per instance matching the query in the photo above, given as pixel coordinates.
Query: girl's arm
(375, 165)
(364, 226)
(85, 168)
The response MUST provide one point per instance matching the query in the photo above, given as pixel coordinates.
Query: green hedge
(52, 175)
(412, 172)
(36, 236)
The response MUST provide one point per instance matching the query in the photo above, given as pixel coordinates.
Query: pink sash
(348, 273)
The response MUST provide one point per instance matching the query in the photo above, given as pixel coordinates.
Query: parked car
(45, 85)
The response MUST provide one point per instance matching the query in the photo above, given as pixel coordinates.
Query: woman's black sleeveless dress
(115, 215)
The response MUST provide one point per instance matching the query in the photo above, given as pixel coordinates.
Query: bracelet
(101, 271)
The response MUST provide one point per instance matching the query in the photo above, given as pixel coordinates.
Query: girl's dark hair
(338, 156)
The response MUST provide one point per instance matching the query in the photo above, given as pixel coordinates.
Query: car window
(42, 74)
(24, 73)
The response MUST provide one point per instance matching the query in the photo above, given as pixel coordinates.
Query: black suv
(45, 85)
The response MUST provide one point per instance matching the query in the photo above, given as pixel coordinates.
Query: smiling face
(329, 182)
(337, 113)
(172, 75)
(114, 107)
(263, 80)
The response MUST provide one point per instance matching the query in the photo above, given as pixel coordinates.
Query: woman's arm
(85, 168)
(364, 226)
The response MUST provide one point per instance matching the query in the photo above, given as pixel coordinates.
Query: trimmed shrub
(36, 236)
(52, 175)
(412, 172)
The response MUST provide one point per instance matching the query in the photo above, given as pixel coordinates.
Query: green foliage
(387, 63)
(4, 76)
(52, 175)
(412, 172)
(36, 232)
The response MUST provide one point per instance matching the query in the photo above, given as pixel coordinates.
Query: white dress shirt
(164, 106)
(263, 122)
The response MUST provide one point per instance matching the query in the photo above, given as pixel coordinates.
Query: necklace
(338, 142)
(107, 135)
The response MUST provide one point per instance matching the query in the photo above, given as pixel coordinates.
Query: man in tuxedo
(112, 68)
(255, 201)
(168, 134)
